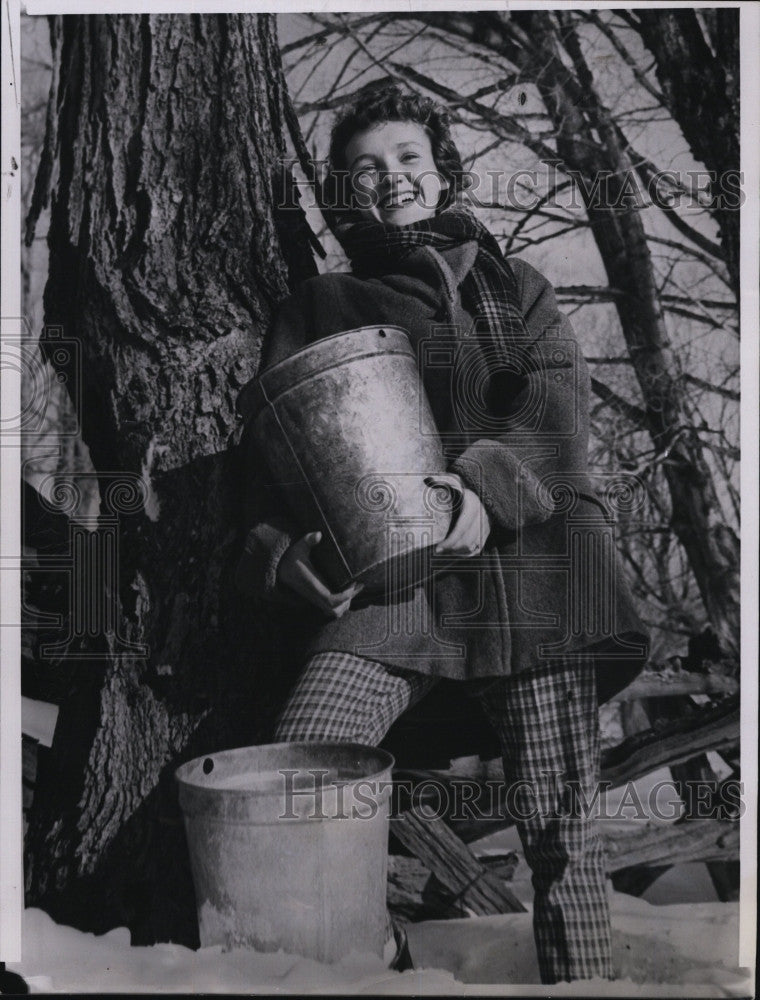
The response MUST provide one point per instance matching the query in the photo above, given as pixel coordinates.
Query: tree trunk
(166, 258)
(700, 83)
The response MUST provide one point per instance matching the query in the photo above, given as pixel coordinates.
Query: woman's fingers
(297, 571)
(341, 609)
(313, 588)
(471, 529)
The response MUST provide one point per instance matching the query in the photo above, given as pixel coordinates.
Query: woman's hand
(297, 571)
(471, 527)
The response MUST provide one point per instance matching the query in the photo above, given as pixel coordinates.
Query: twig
(626, 56)
(630, 410)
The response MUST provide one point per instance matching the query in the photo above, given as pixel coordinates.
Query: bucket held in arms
(349, 437)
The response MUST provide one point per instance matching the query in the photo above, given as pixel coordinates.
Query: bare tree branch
(504, 125)
(321, 36)
(622, 51)
(534, 210)
(710, 262)
(604, 293)
(647, 171)
(622, 406)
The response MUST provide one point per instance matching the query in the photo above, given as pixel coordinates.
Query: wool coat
(548, 582)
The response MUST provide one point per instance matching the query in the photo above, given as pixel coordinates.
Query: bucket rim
(184, 781)
(333, 336)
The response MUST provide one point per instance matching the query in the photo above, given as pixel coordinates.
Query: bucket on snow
(288, 847)
(348, 433)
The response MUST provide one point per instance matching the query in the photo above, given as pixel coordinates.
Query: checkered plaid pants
(548, 726)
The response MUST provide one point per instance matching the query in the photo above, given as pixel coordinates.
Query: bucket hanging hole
(381, 333)
(208, 765)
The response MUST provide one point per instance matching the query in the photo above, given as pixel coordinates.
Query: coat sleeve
(541, 417)
(270, 529)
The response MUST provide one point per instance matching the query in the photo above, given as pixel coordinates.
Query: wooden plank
(724, 874)
(28, 760)
(651, 684)
(38, 720)
(726, 877)
(470, 882)
(676, 844)
(715, 728)
(453, 863)
(406, 898)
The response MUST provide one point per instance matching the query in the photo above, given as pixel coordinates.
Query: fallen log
(445, 852)
(633, 859)
(454, 865)
(407, 879)
(415, 894)
(679, 843)
(651, 684)
(663, 745)
(725, 875)
(714, 728)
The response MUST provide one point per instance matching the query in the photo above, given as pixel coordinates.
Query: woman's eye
(409, 157)
(367, 175)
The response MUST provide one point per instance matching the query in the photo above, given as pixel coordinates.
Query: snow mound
(60, 959)
(661, 947)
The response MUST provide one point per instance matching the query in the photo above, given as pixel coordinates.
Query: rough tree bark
(699, 75)
(167, 256)
(590, 145)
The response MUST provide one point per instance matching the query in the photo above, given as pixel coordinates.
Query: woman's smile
(393, 173)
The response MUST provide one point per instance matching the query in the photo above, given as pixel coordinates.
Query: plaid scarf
(489, 290)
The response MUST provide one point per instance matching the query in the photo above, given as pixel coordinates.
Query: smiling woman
(422, 261)
(392, 159)
(394, 177)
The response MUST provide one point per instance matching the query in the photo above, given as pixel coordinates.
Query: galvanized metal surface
(350, 438)
(288, 847)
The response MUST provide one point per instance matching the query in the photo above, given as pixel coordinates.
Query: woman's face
(394, 179)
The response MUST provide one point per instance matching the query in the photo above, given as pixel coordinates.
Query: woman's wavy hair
(375, 105)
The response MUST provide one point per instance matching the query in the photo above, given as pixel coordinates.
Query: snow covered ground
(688, 947)
(678, 950)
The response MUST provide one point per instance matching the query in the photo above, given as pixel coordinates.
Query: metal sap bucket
(347, 431)
(289, 847)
